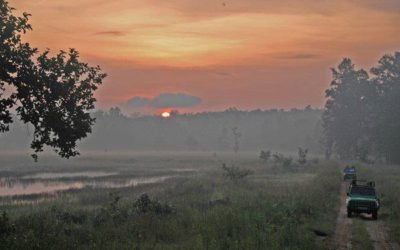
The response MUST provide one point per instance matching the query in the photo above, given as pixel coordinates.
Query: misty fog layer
(275, 130)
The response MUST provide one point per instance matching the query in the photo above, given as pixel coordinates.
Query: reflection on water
(10, 187)
(91, 174)
(20, 186)
(184, 170)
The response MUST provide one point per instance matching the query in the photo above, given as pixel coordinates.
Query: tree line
(361, 119)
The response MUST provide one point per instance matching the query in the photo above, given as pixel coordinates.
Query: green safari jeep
(362, 198)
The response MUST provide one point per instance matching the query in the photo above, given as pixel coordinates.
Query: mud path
(342, 237)
(379, 236)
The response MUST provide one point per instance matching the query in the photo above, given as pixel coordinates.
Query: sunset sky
(231, 53)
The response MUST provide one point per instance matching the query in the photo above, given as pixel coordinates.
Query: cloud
(165, 100)
(222, 73)
(109, 33)
(138, 102)
(297, 56)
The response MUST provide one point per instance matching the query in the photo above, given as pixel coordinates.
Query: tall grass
(208, 211)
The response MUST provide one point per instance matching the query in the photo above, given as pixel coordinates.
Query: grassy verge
(282, 209)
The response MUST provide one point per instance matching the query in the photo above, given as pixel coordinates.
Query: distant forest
(275, 130)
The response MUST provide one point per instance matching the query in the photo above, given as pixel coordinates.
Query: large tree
(52, 92)
(362, 115)
(348, 112)
(387, 79)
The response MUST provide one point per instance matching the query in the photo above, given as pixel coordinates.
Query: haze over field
(274, 130)
(244, 54)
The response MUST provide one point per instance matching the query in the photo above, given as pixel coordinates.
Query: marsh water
(50, 183)
(91, 174)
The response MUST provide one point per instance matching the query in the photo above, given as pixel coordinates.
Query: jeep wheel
(375, 215)
(348, 213)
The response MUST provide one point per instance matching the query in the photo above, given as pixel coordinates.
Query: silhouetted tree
(115, 113)
(362, 115)
(348, 116)
(387, 119)
(53, 93)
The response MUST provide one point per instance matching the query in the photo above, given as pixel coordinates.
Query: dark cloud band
(165, 100)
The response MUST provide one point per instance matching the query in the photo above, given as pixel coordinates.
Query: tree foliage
(361, 118)
(53, 93)
(387, 80)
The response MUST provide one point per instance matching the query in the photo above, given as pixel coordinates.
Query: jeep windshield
(350, 170)
(364, 191)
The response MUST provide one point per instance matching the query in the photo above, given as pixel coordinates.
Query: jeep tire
(375, 215)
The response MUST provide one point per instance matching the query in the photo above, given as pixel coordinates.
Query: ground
(190, 203)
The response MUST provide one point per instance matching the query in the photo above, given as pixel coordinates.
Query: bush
(145, 205)
(282, 160)
(6, 228)
(265, 155)
(302, 156)
(235, 173)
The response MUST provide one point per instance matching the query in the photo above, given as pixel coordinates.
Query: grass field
(199, 207)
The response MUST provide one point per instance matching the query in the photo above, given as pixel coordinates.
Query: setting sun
(165, 114)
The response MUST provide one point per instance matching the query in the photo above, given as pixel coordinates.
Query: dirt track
(376, 229)
(379, 236)
(342, 237)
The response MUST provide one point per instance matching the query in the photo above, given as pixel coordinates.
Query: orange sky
(243, 53)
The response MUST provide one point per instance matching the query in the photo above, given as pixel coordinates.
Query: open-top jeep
(362, 198)
(349, 173)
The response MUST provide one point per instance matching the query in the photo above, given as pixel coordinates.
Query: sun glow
(165, 114)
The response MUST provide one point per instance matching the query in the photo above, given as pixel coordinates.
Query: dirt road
(379, 236)
(342, 237)
(376, 229)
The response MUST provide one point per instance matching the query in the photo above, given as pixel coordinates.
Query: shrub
(235, 173)
(282, 160)
(6, 228)
(302, 156)
(145, 205)
(265, 155)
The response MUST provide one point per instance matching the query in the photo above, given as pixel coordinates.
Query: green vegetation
(273, 208)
